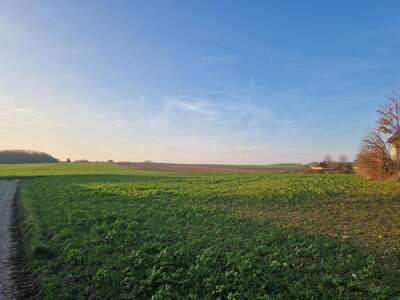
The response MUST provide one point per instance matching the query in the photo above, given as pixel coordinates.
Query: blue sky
(243, 82)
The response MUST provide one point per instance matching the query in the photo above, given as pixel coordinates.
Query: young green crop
(204, 236)
(52, 169)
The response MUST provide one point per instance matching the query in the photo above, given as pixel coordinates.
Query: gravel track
(8, 245)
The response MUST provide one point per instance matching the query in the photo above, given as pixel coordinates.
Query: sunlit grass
(51, 169)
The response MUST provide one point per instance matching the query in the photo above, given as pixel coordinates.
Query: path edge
(24, 284)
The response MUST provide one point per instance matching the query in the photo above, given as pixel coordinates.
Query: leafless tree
(328, 158)
(373, 160)
(389, 115)
(343, 158)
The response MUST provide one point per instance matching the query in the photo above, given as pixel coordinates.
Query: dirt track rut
(7, 243)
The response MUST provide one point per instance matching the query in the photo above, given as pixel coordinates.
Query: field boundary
(22, 274)
(210, 168)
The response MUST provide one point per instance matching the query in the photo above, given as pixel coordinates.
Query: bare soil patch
(209, 168)
(16, 280)
(7, 243)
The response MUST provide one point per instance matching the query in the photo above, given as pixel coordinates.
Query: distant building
(316, 168)
(394, 142)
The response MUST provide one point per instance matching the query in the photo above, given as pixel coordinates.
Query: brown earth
(209, 168)
(7, 243)
(16, 281)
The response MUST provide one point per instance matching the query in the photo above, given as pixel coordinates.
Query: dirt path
(7, 243)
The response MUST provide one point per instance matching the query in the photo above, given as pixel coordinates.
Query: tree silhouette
(25, 156)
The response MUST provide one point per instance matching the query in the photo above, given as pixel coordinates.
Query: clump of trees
(342, 165)
(373, 160)
(330, 165)
(25, 156)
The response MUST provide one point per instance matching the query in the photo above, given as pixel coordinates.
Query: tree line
(25, 156)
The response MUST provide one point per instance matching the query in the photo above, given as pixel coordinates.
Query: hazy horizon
(194, 82)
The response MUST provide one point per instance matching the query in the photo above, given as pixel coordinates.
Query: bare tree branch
(373, 160)
(389, 115)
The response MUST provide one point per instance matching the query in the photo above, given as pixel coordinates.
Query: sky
(230, 82)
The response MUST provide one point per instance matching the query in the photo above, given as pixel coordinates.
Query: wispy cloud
(211, 115)
(222, 59)
(26, 116)
(198, 106)
(185, 112)
(133, 64)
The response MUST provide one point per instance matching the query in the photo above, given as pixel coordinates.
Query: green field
(147, 235)
(52, 169)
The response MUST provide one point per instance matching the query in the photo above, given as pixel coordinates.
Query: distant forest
(25, 156)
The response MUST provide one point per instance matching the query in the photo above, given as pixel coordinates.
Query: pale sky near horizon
(241, 82)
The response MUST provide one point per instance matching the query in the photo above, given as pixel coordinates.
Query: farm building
(316, 168)
(394, 142)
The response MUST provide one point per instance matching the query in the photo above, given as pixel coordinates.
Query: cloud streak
(18, 116)
(222, 59)
(133, 65)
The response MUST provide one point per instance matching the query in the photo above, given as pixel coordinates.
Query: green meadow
(101, 231)
(53, 169)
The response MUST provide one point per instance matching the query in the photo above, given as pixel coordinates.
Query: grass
(52, 169)
(213, 236)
